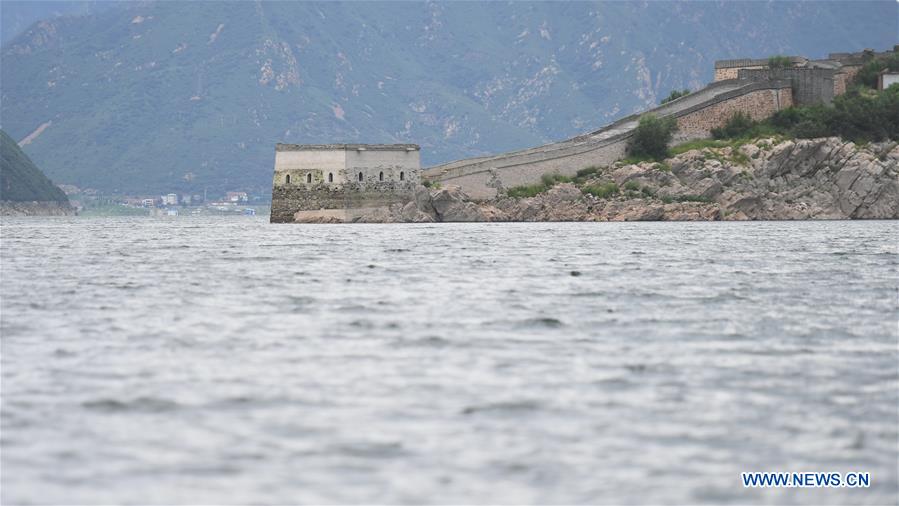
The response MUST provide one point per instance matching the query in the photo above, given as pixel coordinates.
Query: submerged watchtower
(341, 181)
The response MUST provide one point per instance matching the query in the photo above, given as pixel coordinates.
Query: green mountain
(180, 96)
(20, 179)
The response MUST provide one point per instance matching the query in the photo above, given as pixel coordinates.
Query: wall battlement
(346, 147)
(809, 85)
(730, 69)
(754, 62)
(860, 57)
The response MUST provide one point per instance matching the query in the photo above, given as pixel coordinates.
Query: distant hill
(149, 97)
(18, 15)
(21, 180)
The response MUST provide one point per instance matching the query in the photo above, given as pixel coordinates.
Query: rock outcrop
(824, 178)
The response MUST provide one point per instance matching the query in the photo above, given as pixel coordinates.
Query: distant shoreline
(36, 208)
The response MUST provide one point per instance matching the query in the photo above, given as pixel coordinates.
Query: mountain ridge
(151, 97)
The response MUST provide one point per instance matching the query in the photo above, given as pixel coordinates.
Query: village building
(236, 197)
(887, 78)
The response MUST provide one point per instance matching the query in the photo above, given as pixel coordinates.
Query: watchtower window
(360, 176)
(308, 178)
(402, 176)
(287, 179)
(381, 176)
(330, 177)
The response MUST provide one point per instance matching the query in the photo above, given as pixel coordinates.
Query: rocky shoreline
(36, 208)
(768, 179)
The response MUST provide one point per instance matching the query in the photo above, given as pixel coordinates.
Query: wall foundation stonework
(333, 180)
(758, 105)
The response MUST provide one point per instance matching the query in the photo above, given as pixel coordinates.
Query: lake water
(226, 360)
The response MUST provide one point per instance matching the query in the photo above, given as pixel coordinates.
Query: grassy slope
(20, 179)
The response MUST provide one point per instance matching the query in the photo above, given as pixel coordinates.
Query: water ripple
(143, 361)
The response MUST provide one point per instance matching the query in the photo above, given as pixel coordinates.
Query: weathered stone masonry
(757, 104)
(341, 181)
(729, 69)
(810, 85)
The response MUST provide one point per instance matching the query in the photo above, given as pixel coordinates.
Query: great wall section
(697, 113)
(748, 86)
(373, 182)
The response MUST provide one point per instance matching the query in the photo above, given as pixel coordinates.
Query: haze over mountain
(174, 96)
(21, 180)
(18, 15)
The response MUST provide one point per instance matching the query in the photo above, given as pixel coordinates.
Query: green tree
(865, 116)
(867, 75)
(858, 115)
(652, 136)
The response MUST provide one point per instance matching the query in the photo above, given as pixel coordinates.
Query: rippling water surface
(226, 360)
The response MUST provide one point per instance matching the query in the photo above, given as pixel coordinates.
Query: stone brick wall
(851, 71)
(359, 176)
(810, 85)
(486, 183)
(706, 109)
(840, 83)
(759, 104)
(732, 72)
(399, 159)
(729, 69)
(288, 200)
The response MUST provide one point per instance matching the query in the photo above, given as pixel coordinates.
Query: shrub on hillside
(859, 115)
(739, 125)
(779, 62)
(674, 95)
(584, 174)
(867, 75)
(602, 191)
(525, 191)
(547, 181)
(784, 119)
(809, 129)
(865, 116)
(651, 137)
(587, 171)
(550, 180)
